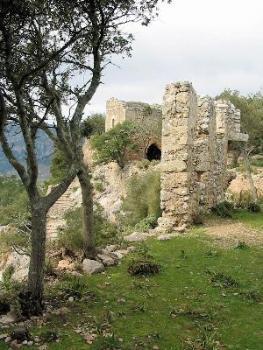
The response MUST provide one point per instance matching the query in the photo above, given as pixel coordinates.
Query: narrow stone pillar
(179, 121)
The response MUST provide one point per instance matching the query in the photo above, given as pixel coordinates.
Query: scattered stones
(65, 265)
(91, 267)
(167, 237)
(8, 318)
(107, 259)
(138, 236)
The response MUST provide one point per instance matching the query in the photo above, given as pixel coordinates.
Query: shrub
(71, 236)
(143, 268)
(223, 209)
(98, 186)
(254, 207)
(94, 124)
(146, 223)
(114, 144)
(13, 200)
(143, 200)
(15, 237)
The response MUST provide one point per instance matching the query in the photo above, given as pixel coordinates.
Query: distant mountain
(44, 152)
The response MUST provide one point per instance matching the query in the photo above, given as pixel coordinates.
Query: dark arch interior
(153, 153)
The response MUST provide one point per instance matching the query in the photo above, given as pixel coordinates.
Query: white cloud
(214, 44)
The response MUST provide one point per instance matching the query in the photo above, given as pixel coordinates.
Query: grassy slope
(204, 316)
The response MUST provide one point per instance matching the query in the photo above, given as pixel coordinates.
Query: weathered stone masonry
(195, 136)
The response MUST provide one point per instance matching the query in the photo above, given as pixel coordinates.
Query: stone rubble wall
(178, 176)
(118, 111)
(195, 136)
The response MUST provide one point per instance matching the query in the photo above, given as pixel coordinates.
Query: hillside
(44, 152)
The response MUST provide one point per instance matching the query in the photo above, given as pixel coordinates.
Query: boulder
(65, 265)
(91, 267)
(107, 259)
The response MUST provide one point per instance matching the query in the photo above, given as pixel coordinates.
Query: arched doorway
(153, 152)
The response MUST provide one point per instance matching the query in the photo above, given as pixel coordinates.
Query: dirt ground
(228, 233)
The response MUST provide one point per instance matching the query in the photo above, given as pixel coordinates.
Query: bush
(15, 237)
(71, 236)
(94, 124)
(146, 223)
(13, 200)
(224, 209)
(143, 268)
(254, 207)
(114, 144)
(142, 203)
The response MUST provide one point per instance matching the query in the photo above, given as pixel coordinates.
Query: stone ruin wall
(118, 111)
(195, 136)
(196, 132)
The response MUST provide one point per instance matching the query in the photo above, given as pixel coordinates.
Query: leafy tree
(43, 45)
(95, 124)
(251, 108)
(114, 144)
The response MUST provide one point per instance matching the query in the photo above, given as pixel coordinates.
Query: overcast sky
(214, 44)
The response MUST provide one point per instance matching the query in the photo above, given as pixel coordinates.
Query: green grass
(204, 298)
(254, 220)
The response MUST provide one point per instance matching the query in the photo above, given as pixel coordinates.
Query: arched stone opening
(153, 152)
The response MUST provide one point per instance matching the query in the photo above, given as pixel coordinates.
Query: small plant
(223, 209)
(99, 187)
(143, 268)
(252, 295)
(7, 282)
(107, 343)
(147, 223)
(254, 207)
(219, 279)
(242, 245)
(49, 336)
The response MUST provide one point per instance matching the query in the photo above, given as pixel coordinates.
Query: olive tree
(44, 46)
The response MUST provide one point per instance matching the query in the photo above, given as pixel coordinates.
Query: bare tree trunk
(37, 261)
(87, 206)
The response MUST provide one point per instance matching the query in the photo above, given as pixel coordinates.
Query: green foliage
(7, 277)
(98, 185)
(251, 108)
(254, 207)
(143, 200)
(13, 200)
(146, 223)
(15, 237)
(94, 124)
(143, 268)
(223, 209)
(208, 315)
(71, 237)
(58, 169)
(114, 144)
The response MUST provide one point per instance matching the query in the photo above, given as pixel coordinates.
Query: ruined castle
(195, 138)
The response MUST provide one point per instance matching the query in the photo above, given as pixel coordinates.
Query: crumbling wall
(146, 116)
(195, 136)
(178, 200)
(118, 111)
